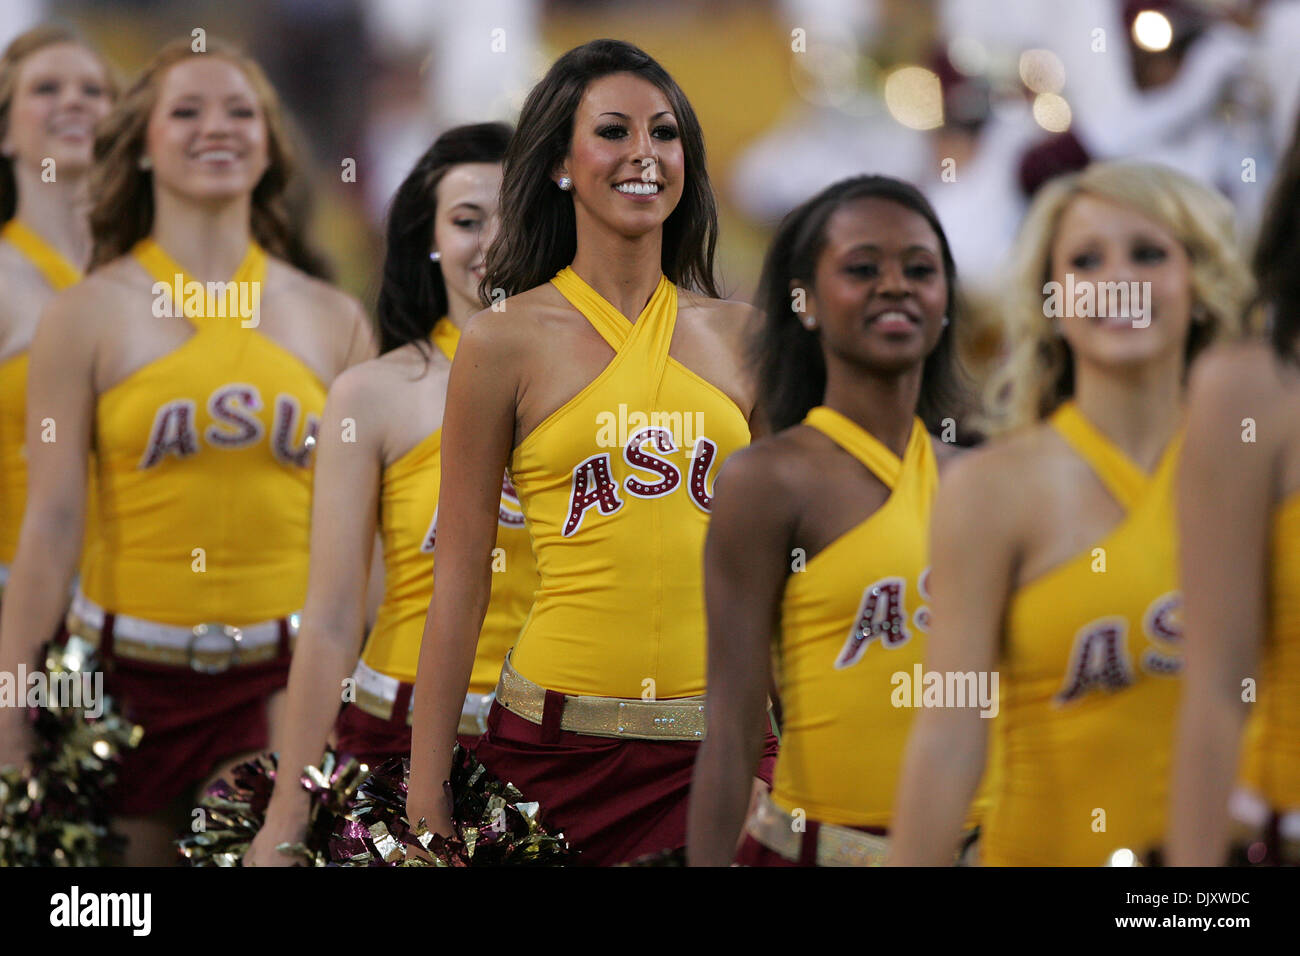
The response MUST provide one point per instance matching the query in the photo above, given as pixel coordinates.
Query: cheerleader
(819, 533)
(1239, 517)
(1053, 550)
(53, 90)
(613, 391)
(389, 474)
(194, 362)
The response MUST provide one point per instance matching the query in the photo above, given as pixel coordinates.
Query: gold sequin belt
(382, 696)
(681, 718)
(781, 833)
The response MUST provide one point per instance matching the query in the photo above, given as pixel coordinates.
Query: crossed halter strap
(53, 265)
(863, 445)
(164, 269)
(1126, 482)
(652, 332)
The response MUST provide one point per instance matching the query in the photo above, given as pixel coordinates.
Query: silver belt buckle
(231, 634)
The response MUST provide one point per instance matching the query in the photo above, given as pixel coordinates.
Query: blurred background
(976, 101)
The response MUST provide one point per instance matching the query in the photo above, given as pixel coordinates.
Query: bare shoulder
(727, 318)
(945, 453)
(997, 483)
(775, 471)
(99, 303)
(1240, 374)
(517, 326)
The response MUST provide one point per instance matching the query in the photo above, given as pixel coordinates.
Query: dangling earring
(435, 256)
(565, 183)
(145, 163)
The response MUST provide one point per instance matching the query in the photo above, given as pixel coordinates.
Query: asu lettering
(236, 423)
(1099, 656)
(593, 484)
(882, 615)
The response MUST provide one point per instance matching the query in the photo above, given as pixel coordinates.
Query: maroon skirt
(192, 722)
(615, 800)
(373, 740)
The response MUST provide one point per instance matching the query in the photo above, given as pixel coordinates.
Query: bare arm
(746, 559)
(60, 413)
(1224, 496)
(345, 494)
(478, 429)
(972, 559)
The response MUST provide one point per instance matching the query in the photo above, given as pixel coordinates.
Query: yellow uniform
(616, 485)
(204, 467)
(59, 273)
(1271, 759)
(408, 525)
(853, 618)
(1089, 680)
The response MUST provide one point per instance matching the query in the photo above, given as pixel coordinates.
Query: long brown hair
(123, 211)
(1277, 254)
(538, 236)
(11, 65)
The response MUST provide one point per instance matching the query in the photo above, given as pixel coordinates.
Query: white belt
(376, 694)
(207, 647)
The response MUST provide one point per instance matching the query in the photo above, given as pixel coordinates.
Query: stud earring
(145, 163)
(565, 183)
(809, 322)
(435, 256)
(945, 321)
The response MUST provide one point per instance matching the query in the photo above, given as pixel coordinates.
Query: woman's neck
(883, 405)
(208, 241)
(624, 271)
(1139, 408)
(57, 211)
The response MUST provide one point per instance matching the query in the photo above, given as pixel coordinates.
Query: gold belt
(836, 846)
(377, 698)
(679, 719)
(206, 648)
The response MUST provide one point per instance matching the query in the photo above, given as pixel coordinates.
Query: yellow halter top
(1271, 758)
(850, 620)
(617, 484)
(204, 464)
(59, 273)
(1090, 660)
(408, 514)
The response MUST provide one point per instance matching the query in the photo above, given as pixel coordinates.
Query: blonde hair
(123, 211)
(1037, 372)
(11, 65)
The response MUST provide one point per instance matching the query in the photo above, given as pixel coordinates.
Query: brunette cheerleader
(611, 383)
(817, 550)
(1239, 518)
(385, 470)
(1054, 551)
(53, 90)
(194, 363)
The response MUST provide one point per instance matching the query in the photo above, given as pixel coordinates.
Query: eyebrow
(626, 117)
(468, 205)
(871, 247)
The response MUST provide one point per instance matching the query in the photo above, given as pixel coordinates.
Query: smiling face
(207, 134)
(625, 157)
(465, 224)
(61, 93)
(1100, 241)
(879, 293)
